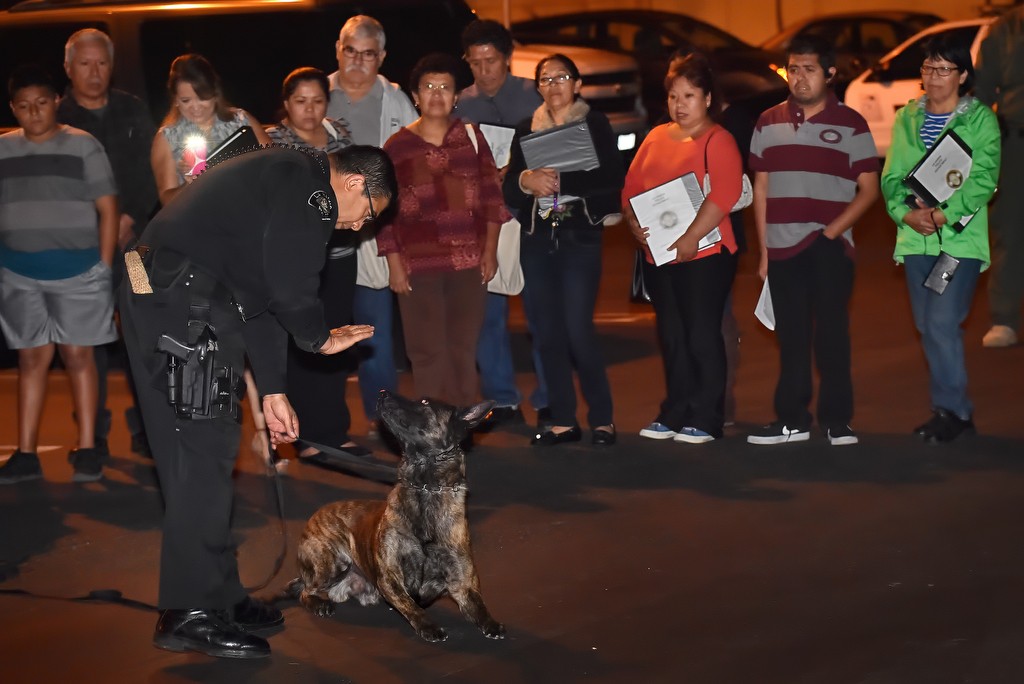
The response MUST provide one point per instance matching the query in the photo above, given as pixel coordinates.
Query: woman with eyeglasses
(199, 120)
(316, 383)
(958, 226)
(442, 244)
(563, 215)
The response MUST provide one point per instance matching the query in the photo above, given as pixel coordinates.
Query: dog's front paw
(318, 606)
(432, 633)
(493, 629)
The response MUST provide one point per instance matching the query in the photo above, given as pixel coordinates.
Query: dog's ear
(474, 414)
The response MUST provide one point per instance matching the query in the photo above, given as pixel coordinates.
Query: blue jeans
(377, 355)
(494, 354)
(539, 396)
(939, 319)
(562, 279)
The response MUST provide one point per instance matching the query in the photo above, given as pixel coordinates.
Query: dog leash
(114, 596)
(370, 469)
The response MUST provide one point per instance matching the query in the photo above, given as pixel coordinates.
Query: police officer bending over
(228, 270)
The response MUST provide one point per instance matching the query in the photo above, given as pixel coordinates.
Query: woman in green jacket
(922, 232)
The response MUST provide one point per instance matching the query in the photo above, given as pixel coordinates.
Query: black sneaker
(946, 426)
(22, 466)
(841, 435)
(88, 464)
(778, 433)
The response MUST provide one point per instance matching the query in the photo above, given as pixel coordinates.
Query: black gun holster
(197, 386)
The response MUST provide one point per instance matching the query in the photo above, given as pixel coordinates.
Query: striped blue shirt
(932, 127)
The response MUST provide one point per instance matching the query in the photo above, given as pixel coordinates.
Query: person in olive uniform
(237, 255)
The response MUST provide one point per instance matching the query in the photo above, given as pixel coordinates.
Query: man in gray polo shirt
(374, 109)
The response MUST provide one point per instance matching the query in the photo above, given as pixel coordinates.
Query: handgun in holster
(197, 387)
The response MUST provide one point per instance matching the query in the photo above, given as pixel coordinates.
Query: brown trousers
(441, 318)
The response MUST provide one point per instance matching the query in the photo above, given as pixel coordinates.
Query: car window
(704, 36)
(907, 64)
(43, 45)
(248, 53)
(878, 37)
(839, 33)
(642, 41)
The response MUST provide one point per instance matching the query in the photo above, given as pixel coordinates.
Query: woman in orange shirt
(690, 292)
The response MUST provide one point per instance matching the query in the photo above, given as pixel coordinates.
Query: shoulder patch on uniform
(321, 201)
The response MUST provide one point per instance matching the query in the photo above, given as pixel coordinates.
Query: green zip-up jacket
(977, 126)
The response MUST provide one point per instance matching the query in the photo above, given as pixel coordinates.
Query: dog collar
(436, 488)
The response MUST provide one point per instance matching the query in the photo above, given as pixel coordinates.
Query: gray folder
(567, 148)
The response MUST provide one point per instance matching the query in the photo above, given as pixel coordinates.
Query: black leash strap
(272, 473)
(359, 466)
(94, 596)
(116, 597)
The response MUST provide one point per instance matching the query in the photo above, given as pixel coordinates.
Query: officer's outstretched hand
(344, 337)
(282, 423)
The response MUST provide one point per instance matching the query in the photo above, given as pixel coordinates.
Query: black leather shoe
(551, 438)
(945, 426)
(252, 614)
(603, 438)
(206, 632)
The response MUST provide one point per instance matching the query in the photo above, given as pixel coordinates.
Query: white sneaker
(999, 336)
(693, 435)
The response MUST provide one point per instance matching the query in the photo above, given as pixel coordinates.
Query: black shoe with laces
(207, 632)
(22, 466)
(944, 426)
(252, 614)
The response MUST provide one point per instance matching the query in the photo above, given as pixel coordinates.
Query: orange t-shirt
(660, 159)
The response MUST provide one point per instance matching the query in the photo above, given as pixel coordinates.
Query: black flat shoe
(550, 438)
(603, 438)
(252, 614)
(206, 632)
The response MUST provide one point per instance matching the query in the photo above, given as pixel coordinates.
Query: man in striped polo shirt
(815, 174)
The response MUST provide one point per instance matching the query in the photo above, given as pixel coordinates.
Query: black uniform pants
(194, 458)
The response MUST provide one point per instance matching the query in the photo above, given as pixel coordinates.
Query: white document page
(764, 311)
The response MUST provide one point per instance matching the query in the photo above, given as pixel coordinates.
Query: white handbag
(746, 192)
(508, 280)
(371, 270)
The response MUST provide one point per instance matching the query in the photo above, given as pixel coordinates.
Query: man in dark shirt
(238, 253)
(499, 98)
(122, 124)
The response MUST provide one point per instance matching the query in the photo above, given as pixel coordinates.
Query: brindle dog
(412, 548)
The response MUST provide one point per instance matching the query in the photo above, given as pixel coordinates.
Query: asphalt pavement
(887, 562)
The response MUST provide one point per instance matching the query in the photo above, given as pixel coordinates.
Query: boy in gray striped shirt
(58, 227)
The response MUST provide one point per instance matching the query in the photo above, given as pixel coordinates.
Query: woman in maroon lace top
(442, 244)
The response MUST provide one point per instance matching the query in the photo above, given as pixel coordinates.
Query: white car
(896, 79)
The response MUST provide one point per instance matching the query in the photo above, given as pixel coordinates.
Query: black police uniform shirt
(259, 225)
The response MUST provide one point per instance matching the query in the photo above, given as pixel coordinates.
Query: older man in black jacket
(122, 124)
(225, 272)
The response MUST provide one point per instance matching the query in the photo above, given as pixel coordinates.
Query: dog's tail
(291, 592)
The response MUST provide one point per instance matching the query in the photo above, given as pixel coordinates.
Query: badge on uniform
(321, 201)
